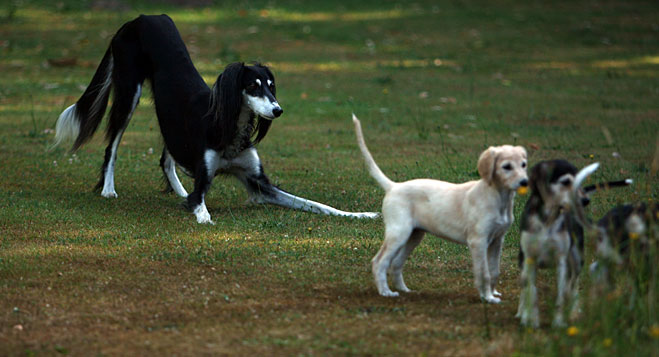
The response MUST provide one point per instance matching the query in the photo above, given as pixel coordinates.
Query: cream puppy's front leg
(482, 278)
(493, 262)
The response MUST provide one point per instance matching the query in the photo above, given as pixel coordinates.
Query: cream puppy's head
(504, 167)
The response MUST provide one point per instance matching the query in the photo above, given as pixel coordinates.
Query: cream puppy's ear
(487, 164)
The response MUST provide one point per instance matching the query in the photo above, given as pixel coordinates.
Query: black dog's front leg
(195, 200)
(248, 169)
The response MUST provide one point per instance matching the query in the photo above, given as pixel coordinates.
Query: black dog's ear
(226, 101)
(262, 127)
(539, 179)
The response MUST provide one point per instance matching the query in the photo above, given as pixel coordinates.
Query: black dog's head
(241, 86)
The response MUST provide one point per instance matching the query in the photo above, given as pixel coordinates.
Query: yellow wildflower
(654, 331)
(522, 190)
(572, 331)
(633, 235)
(607, 342)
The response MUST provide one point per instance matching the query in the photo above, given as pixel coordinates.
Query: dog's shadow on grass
(154, 208)
(465, 305)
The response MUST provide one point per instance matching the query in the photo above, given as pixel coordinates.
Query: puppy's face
(259, 91)
(504, 166)
(553, 181)
(560, 190)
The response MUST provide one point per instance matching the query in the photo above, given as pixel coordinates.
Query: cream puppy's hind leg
(395, 238)
(399, 260)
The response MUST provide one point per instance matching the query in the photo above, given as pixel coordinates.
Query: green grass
(434, 85)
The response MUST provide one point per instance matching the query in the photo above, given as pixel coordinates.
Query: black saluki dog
(206, 131)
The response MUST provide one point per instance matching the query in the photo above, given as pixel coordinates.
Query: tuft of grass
(620, 319)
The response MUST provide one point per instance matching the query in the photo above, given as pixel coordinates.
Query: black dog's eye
(508, 167)
(251, 86)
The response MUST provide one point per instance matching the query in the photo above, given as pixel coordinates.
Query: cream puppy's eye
(523, 165)
(507, 167)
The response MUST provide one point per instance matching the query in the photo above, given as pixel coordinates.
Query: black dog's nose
(585, 201)
(277, 112)
(524, 183)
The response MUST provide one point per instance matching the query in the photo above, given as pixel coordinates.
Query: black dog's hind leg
(248, 169)
(163, 161)
(127, 78)
(168, 166)
(122, 110)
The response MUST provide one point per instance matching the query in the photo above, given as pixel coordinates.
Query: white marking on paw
(389, 293)
(109, 194)
(493, 300)
(201, 212)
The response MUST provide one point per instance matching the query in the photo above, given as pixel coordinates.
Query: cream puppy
(476, 213)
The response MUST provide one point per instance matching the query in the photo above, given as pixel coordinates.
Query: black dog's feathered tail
(80, 120)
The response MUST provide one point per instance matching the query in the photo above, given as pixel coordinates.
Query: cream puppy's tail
(373, 168)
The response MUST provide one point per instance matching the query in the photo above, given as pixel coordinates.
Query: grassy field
(434, 84)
